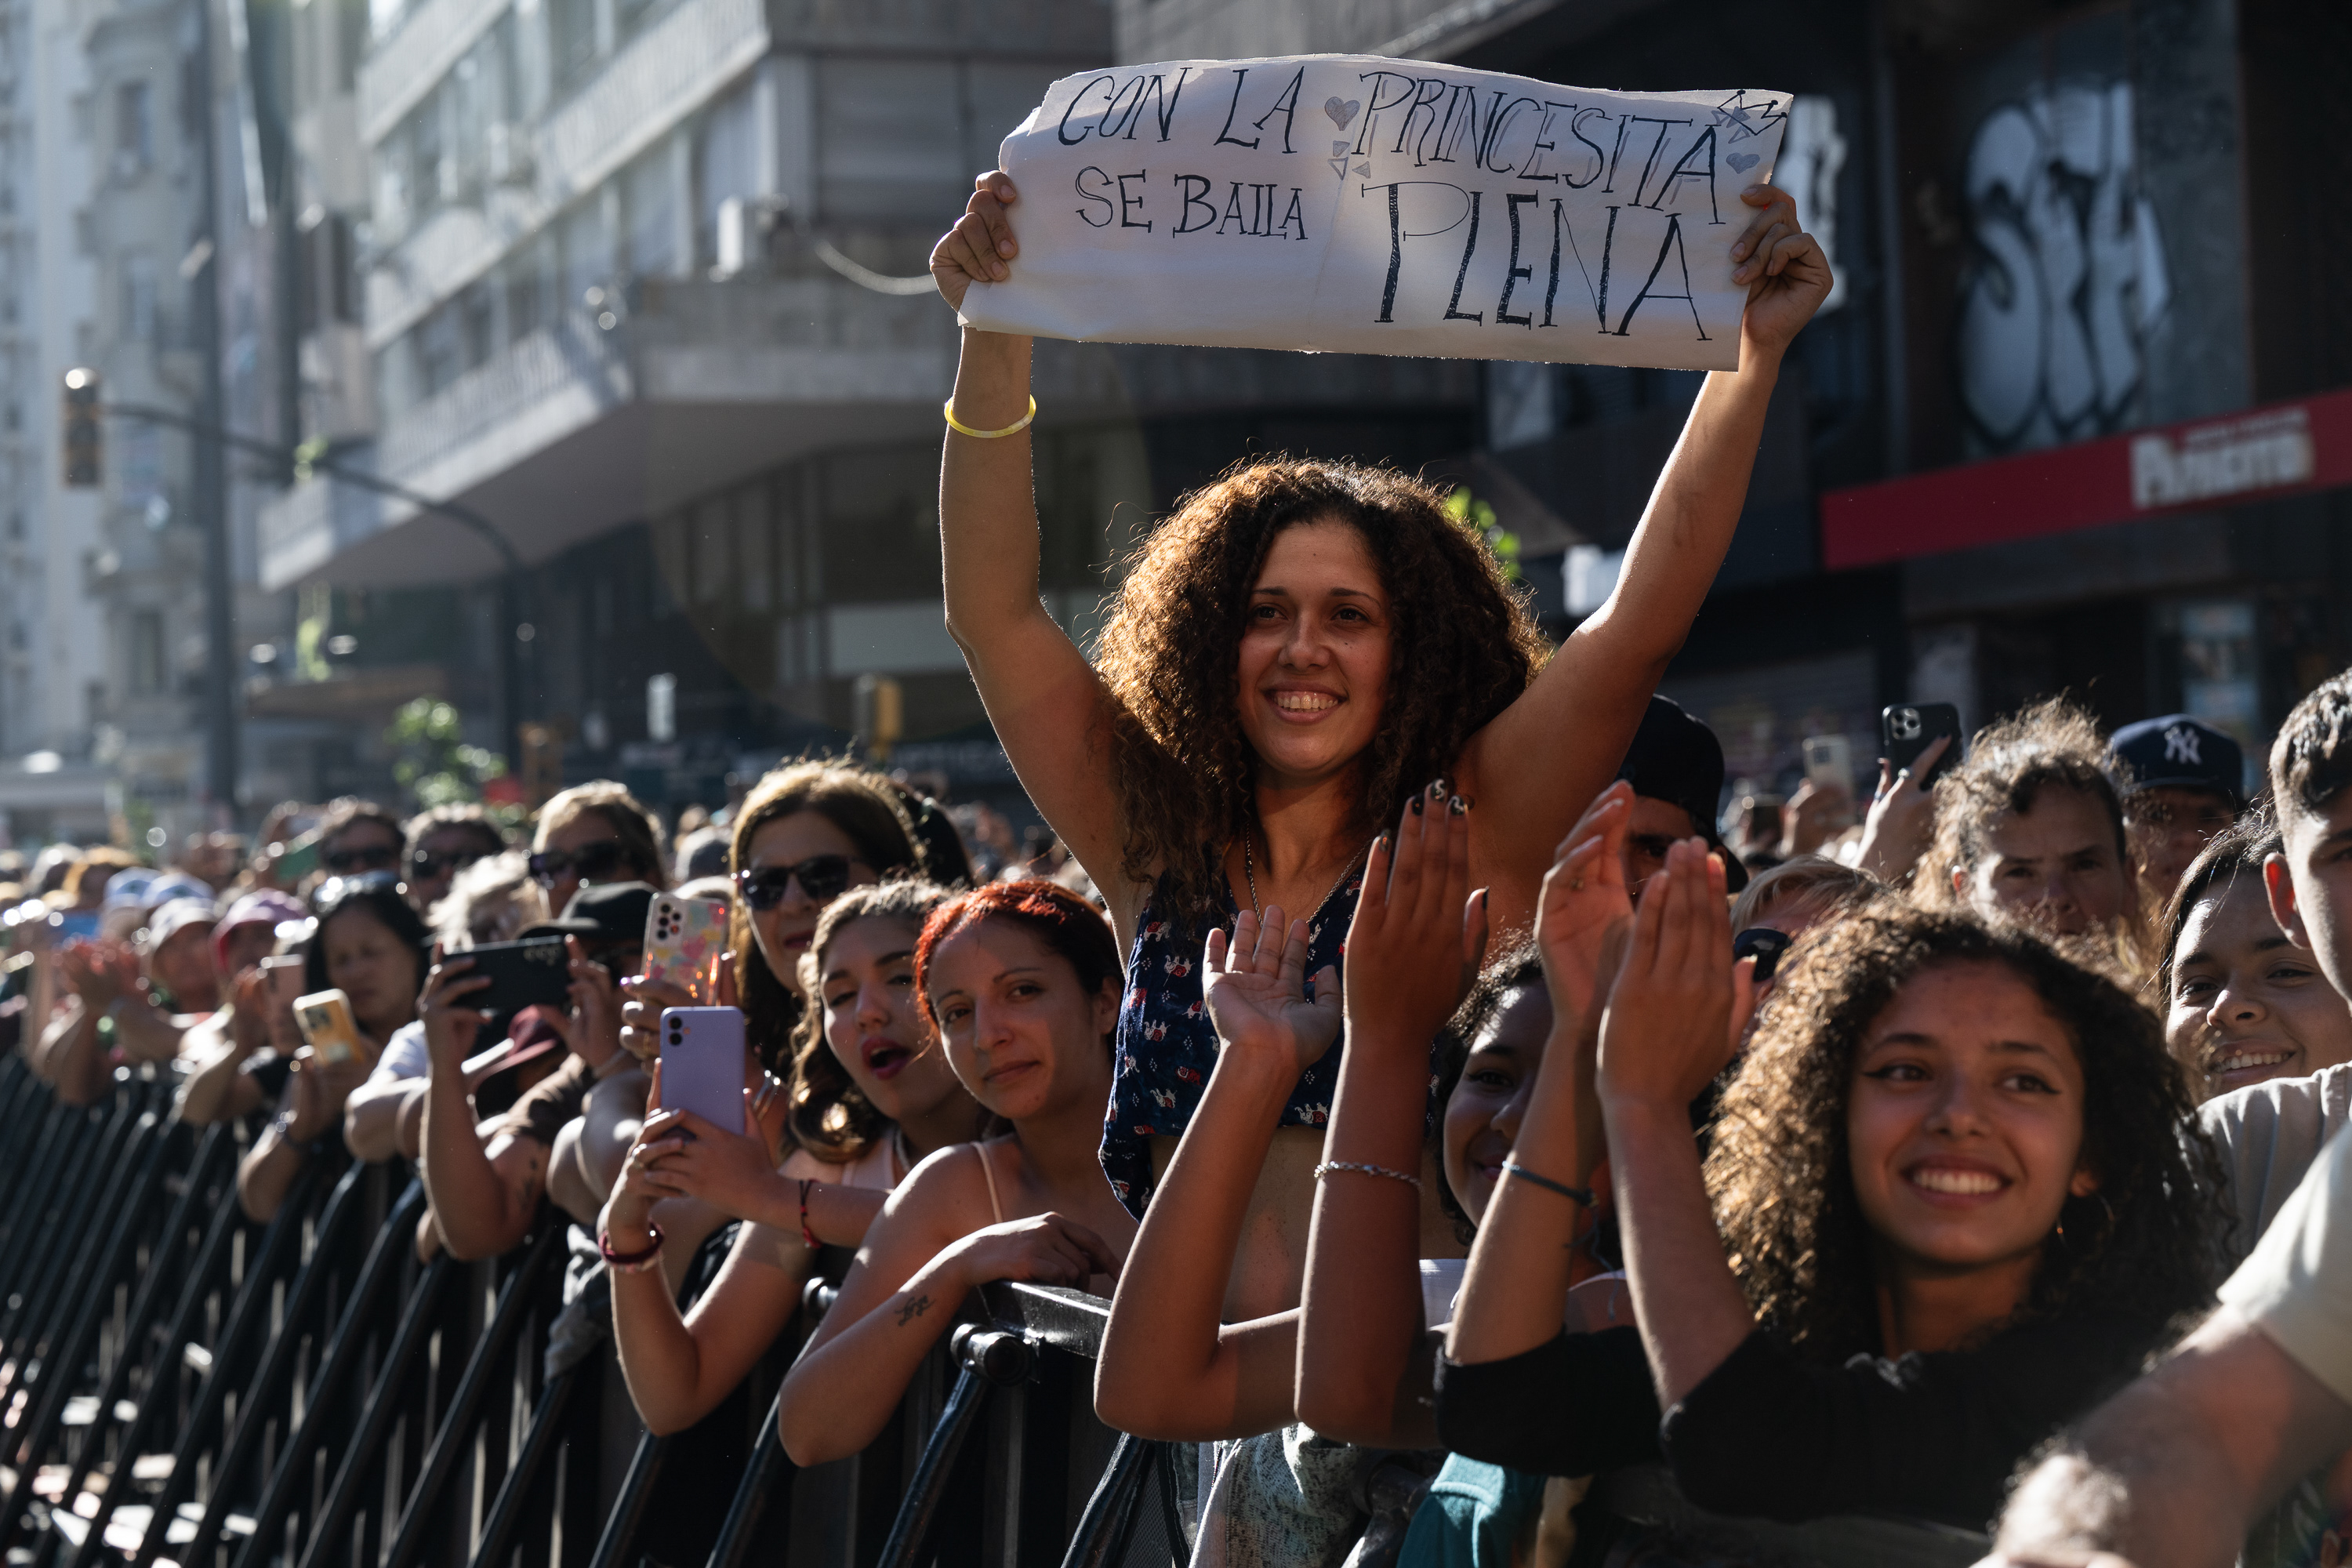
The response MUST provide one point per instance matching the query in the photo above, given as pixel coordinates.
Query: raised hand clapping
(1255, 989)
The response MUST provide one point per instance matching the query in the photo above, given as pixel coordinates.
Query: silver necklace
(1249, 875)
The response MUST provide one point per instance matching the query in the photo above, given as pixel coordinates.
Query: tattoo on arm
(913, 1309)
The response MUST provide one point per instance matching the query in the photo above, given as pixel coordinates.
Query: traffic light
(881, 715)
(83, 438)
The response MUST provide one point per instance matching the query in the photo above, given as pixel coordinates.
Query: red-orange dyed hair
(1057, 917)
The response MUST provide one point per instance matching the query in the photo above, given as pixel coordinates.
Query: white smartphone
(702, 1063)
(1829, 760)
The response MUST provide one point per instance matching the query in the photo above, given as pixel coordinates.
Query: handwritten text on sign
(1346, 203)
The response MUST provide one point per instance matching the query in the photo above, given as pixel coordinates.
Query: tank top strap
(988, 1174)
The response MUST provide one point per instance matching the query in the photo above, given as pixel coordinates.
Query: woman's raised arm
(1049, 709)
(1169, 1367)
(1541, 758)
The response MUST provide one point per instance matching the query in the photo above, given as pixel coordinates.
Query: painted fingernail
(1416, 805)
(1382, 844)
(1456, 806)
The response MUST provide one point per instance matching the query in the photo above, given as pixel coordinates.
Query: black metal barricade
(180, 1385)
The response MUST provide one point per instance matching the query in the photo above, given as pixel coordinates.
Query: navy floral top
(1166, 1045)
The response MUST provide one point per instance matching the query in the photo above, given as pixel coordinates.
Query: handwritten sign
(1347, 203)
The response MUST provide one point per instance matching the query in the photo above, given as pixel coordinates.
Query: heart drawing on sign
(1743, 162)
(1341, 111)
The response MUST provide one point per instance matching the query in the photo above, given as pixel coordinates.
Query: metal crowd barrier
(180, 1386)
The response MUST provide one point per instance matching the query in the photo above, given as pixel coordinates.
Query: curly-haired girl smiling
(1954, 1195)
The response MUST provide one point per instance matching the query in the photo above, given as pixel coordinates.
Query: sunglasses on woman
(822, 878)
(427, 867)
(331, 894)
(591, 862)
(375, 858)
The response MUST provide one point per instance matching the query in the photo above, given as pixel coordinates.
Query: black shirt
(1577, 1406)
(1769, 1436)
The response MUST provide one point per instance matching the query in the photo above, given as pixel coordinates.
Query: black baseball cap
(1675, 758)
(603, 911)
(2181, 753)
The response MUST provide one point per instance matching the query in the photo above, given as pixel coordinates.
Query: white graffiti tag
(2069, 269)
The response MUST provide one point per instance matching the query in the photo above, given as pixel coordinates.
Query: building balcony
(580, 427)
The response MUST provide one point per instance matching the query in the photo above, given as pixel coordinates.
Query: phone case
(682, 937)
(328, 1027)
(1829, 760)
(537, 973)
(1906, 730)
(702, 1063)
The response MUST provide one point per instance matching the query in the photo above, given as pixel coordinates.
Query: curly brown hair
(1778, 1171)
(829, 1115)
(2053, 744)
(1184, 766)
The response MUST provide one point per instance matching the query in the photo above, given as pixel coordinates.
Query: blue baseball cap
(2178, 752)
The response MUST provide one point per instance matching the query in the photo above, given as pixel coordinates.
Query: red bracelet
(808, 1237)
(630, 1262)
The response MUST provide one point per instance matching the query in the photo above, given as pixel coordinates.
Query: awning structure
(2286, 448)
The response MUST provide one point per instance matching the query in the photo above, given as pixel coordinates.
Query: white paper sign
(1348, 203)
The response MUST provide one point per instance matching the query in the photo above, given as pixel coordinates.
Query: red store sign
(2256, 455)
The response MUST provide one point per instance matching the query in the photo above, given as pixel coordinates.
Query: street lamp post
(211, 438)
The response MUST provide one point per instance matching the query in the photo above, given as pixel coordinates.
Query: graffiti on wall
(2068, 274)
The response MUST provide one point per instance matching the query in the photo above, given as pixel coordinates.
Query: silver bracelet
(1330, 1165)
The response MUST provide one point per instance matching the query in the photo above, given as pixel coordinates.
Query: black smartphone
(522, 974)
(1765, 945)
(1906, 730)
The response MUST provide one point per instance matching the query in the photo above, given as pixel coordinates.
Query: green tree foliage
(1466, 507)
(432, 760)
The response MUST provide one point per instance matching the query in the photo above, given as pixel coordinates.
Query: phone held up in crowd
(1906, 730)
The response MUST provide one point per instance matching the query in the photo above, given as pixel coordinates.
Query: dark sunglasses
(429, 867)
(822, 878)
(343, 862)
(1763, 945)
(590, 862)
(335, 891)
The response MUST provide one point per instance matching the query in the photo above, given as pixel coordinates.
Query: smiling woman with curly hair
(1298, 648)
(1956, 1193)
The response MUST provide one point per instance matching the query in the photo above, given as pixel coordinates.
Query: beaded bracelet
(1330, 1165)
(630, 1262)
(960, 428)
(808, 1237)
(1574, 1195)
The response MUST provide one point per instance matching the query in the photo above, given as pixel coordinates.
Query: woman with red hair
(1022, 980)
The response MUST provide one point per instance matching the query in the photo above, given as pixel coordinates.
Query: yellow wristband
(960, 428)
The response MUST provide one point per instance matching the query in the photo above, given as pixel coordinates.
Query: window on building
(587, 250)
(477, 323)
(726, 150)
(139, 297)
(438, 354)
(146, 653)
(570, 40)
(134, 128)
(894, 139)
(528, 278)
(651, 197)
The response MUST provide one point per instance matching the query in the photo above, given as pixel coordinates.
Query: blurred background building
(638, 283)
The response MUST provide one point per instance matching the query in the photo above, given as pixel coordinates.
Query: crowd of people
(1401, 1046)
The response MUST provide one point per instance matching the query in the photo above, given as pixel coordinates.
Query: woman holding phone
(1296, 651)
(371, 947)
